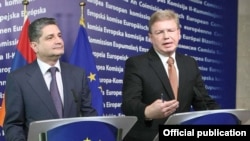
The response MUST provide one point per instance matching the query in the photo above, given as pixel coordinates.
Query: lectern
(209, 117)
(104, 128)
(228, 116)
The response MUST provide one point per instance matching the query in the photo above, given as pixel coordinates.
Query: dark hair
(37, 25)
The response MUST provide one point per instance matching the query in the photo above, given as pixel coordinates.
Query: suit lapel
(68, 89)
(37, 82)
(182, 74)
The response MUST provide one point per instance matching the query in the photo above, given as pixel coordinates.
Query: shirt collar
(165, 58)
(44, 67)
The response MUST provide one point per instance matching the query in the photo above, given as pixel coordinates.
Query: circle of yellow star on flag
(91, 77)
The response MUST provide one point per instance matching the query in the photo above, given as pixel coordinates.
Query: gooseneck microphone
(199, 95)
(77, 102)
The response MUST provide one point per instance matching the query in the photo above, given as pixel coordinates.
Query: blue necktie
(55, 92)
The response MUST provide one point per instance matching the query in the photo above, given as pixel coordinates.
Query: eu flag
(82, 56)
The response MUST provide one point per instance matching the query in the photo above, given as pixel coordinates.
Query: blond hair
(163, 15)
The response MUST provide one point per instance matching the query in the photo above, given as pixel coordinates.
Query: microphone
(77, 102)
(199, 95)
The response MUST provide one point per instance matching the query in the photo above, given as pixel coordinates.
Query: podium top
(243, 115)
(124, 123)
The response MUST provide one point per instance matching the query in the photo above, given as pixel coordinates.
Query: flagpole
(82, 20)
(25, 4)
(82, 56)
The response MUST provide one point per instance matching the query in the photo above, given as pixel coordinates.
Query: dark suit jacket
(145, 79)
(28, 98)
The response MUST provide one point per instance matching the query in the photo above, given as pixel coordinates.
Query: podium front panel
(82, 130)
(57, 129)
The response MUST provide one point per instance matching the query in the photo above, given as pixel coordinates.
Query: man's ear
(149, 36)
(33, 45)
(179, 34)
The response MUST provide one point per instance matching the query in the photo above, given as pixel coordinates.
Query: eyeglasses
(171, 30)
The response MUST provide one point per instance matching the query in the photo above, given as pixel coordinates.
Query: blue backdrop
(117, 29)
